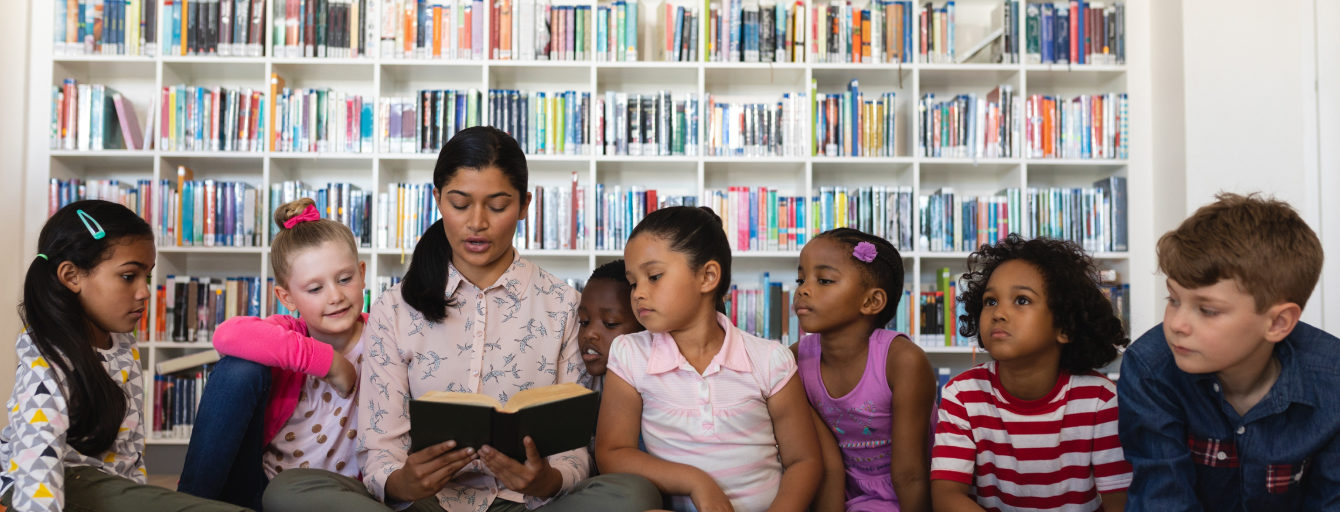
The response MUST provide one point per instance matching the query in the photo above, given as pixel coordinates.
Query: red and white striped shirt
(1054, 453)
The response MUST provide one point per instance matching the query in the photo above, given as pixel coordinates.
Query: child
(724, 423)
(873, 387)
(1035, 429)
(75, 438)
(1230, 404)
(284, 395)
(470, 315)
(604, 313)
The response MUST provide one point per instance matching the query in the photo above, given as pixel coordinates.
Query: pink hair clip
(865, 251)
(308, 215)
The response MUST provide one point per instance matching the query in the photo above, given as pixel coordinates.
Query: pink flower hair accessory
(865, 251)
(308, 215)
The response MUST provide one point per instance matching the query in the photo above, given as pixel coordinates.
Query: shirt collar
(515, 279)
(1289, 387)
(665, 355)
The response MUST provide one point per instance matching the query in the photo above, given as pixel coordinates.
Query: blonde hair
(303, 235)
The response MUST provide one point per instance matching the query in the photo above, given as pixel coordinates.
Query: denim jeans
(223, 461)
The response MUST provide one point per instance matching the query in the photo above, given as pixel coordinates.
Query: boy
(604, 313)
(1230, 404)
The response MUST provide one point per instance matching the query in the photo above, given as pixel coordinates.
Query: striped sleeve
(1110, 470)
(955, 450)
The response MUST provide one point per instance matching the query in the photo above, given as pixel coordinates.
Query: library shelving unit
(138, 78)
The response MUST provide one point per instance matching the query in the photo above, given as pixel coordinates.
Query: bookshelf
(138, 78)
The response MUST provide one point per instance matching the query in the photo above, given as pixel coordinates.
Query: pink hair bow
(308, 215)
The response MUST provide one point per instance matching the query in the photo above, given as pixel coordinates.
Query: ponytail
(424, 285)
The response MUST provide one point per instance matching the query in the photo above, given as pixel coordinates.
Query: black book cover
(558, 418)
(192, 26)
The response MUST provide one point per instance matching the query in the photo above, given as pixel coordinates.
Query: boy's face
(605, 313)
(1216, 328)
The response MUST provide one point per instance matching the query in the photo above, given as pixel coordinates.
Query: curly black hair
(885, 271)
(1079, 309)
(613, 271)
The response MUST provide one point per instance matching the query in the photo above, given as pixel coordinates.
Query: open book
(558, 418)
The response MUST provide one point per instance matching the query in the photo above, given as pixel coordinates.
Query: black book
(192, 26)
(558, 418)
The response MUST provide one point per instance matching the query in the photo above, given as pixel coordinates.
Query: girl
(1036, 428)
(470, 315)
(873, 387)
(725, 424)
(284, 396)
(75, 438)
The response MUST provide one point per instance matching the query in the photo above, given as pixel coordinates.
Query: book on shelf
(849, 124)
(136, 196)
(937, 31)
(211, 119)
(175, 398)
(225, 28)
(760, 219)
(1094, 218)
(543, 122)
(555, 218)
(879, 32)
(190, 308)
(424, 123)
(618, 210)
(187, 361)
(406, 210)
(881, 210)
(92, 117)
(322, 120)
(105, 27)
(679, 25)
(322, 28)
(206, 213)
(937, 310)
(764, 310)
(1083, 127)
(756, 126)
(655, 124)
(970, 125)
(1076, 33)
(345, 203)
(753, 31)
(1000, 45)
(557, 417)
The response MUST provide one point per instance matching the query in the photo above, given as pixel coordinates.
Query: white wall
(13, 144)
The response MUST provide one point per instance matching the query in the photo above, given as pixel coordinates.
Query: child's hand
(533, 478)
(707, 496)
(342, 376)
(426, 471)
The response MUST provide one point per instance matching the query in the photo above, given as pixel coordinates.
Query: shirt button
(1242, 430)
(1216, 387)
(1221, 456)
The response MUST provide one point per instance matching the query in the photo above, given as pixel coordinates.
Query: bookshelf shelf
(327, 61)
(105, 153)
(214, 155)
(1076, 162)
(164, 441)
(126, 59)
(954, 350)
(1079, 68)
(334, 155)
(171, 249)
(195, 59)
(178, 344)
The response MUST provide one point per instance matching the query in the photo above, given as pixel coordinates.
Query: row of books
(756, 127)
(543, 123)
(537, 30)
(92, 117)
(1077, 32)
(752, 31)
(760, 219)
(425, 123)
(619, 210)
(878, 33)
(848, 124)
(320, 28)
(323, 121)
(437, 29)
(211, 119)
(1087, 127)
(405, 211)
(189, 309)
(206, 213)
(680, 32)
(105, 27)
(879, 210)
(175, 399)
(1094, 217)
(970, 125)
(133, 196)
(764, 310)
(214, 27)
(345, 203)
(655, 124)
(555, 219)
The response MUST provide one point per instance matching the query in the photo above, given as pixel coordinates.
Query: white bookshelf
(139, 77)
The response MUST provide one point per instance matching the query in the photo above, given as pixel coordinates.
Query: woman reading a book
(470, 316)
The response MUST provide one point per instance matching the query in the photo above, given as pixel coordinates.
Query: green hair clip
(94, 228)
(43, 256)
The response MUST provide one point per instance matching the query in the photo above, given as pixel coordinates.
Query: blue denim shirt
(1192, 451)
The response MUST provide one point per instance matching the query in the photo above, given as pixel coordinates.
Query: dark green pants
(317, 490)
(90, 490)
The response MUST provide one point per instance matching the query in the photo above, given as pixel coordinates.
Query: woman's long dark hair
(60, 328)
(478, 148)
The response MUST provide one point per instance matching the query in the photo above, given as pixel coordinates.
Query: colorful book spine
(193, 307)
(223, 28)
(761, 219)
(764, 310)
(1076, 33)
(135, 196)
(345, 203)
(211, 119)
(322, 120)
(618, 209)
(92, 117)
(1082, 127)
(883, 211)
(937, 32)
(543, 122)
(970, 125)
(756, 127)
(405, 211)
(105, 27)
(656, 124)
(175, 398)
(424, 123)
(556, 219)
(312, 28)
(206, 213)
(749, 31)
(848, 124)
(428, 29)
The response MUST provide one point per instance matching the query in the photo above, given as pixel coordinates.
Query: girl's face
(831, 288)
(1016, 323)
(666, 292)
(604, 313)
(114, 293)
(325, 287)
(480, 209)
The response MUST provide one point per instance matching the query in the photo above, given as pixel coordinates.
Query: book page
(543, 395)
(448, 397)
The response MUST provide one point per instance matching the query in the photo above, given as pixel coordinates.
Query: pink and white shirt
(718, 420)
(322, 431)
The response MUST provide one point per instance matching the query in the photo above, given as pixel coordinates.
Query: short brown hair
(303, 235)
(1260, 242)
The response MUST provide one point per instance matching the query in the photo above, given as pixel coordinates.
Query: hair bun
(290, 210)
